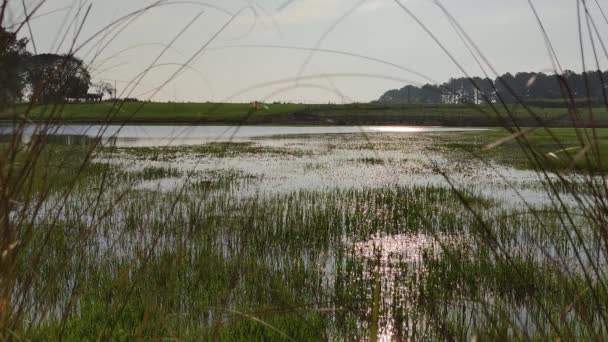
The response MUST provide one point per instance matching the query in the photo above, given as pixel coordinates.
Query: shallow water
(291, 162)
(167, 135)
(349, 213)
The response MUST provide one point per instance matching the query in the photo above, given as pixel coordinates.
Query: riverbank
(300, 114)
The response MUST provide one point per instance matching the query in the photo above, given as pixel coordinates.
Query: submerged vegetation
(295, 261)
(497, 234)
(206, 260)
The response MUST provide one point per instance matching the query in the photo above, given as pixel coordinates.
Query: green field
(555, 148)
(156, 112)
(300, 114)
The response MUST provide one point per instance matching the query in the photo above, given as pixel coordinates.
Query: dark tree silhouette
(13, 56)
(534, 88)
(53, 78)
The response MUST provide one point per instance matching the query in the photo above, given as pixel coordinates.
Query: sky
(311, 51)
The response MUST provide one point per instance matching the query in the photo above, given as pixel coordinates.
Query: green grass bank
(302, 114)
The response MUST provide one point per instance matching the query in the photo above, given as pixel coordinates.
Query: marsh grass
(86, 254)
(369, 161)
(560, 158)
(554, 149)
(200, 238)
(218, 259)
(152, 173)
(205, 150)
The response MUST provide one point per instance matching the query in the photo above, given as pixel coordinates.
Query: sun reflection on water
(400, 129)
(388, 253)
(398, 248)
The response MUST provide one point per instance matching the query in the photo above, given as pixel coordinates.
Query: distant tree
(573, 83)
(431, 94)
(392, 96)
(506, 87)
(53, 78)
(539, 86)
(13, 56)
(536, 88)
(102, 88)
(523, 80)
(598, 89)
(487, 92)
(459, 90)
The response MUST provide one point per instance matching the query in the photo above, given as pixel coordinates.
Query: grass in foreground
(309, 265)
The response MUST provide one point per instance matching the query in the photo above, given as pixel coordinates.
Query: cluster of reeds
(573, 178)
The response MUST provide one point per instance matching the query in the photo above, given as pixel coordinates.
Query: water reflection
(389, 249)
(151, 136)
(365, 248)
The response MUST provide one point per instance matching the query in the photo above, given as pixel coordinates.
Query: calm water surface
(150, 136)
(319, 157)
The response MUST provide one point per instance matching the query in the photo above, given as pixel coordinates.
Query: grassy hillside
(299, 114)
(157, 111)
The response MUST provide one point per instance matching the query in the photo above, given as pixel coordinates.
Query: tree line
(43, 78)
(534, 88)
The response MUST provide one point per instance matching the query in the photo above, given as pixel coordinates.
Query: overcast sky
(245, 50)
